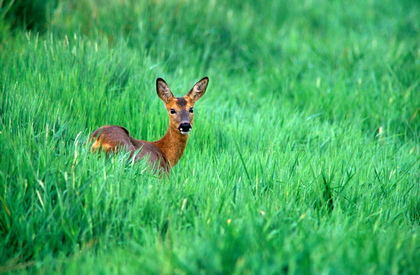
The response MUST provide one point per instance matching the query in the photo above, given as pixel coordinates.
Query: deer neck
(172, 145)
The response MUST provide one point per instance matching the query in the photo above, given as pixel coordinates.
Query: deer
(164, 153)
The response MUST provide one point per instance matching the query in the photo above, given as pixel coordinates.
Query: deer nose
(185, 128)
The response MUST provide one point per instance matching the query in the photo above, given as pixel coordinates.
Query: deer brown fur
(164, 153)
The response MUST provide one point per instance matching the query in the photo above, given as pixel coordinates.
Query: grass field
(304, 158)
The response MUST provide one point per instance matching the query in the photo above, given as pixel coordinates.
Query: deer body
(164, 153)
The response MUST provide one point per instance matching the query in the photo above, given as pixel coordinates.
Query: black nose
(185, 127)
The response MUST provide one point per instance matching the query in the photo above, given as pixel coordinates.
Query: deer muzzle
(185, 128)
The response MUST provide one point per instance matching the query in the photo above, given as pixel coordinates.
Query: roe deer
(164, 153)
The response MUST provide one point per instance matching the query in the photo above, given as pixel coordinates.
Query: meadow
(304, 157)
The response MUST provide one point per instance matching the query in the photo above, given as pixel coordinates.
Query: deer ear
(198, 90)
(163, 90)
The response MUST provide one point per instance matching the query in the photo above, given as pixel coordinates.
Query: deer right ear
(199, 89)
(163, 90)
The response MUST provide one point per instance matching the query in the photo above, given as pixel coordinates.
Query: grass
(304, 156)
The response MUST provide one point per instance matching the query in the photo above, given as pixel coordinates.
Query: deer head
(181, 109)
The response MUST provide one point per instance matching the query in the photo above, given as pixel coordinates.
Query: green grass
(304, 158)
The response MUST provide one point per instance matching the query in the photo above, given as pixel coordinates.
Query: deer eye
(191, 110)
(173, 111)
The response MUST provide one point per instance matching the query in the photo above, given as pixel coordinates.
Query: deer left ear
(163, 90)
(198, 90)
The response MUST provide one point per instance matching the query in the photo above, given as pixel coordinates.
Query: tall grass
(304, 156)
